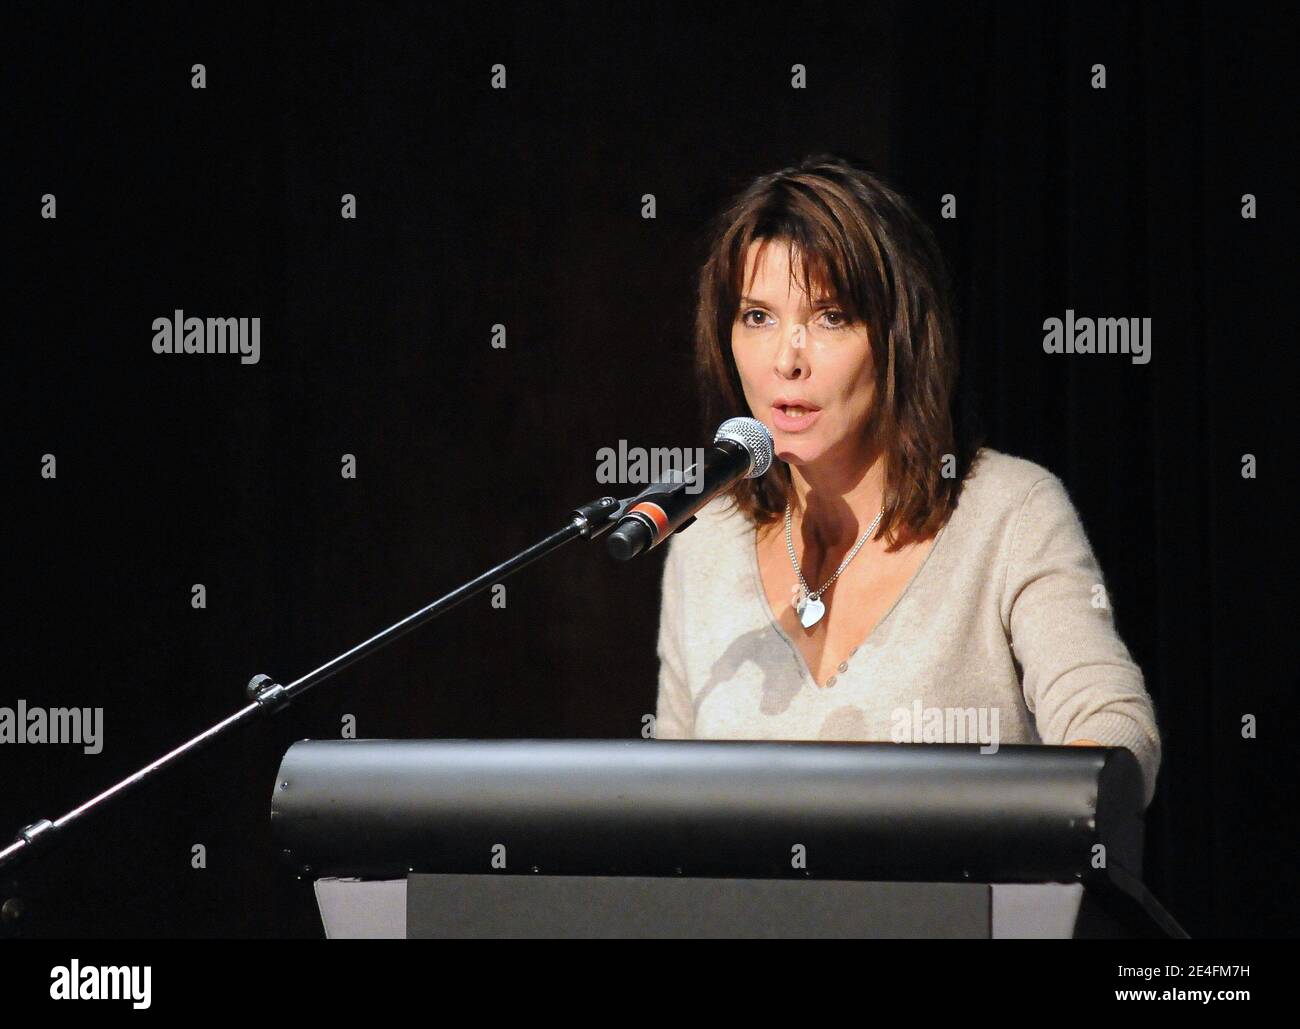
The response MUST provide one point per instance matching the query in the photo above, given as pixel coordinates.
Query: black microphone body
(741, 449)
(663, 508)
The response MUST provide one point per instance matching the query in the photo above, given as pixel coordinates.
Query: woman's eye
(833, 318)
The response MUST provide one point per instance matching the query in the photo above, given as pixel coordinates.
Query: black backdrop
(523, 207)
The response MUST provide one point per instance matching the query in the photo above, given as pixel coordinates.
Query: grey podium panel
(362, 909)
(610, 907)
(1035, 911)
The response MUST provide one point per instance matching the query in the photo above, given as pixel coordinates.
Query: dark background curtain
(522, 207)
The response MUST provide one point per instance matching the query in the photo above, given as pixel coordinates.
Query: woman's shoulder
(716, 535)
(998, 472)
(999, 484)
(721, 518)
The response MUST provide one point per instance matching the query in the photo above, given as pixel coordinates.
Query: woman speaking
(878, 582)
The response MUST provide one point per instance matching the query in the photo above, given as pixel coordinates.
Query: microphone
(742, 449)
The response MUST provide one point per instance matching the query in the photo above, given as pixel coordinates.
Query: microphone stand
(266, 695)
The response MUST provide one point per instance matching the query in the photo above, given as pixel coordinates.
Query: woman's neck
(834, 503)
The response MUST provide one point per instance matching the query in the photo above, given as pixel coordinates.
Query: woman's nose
(791, 358)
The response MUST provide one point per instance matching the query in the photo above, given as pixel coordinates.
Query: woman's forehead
(768, 262)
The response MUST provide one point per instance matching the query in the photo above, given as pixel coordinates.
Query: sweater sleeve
(674, 710)
(1079, 679)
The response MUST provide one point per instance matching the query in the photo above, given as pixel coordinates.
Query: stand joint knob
(266, 691)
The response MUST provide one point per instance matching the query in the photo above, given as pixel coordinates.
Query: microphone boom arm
(589, 521)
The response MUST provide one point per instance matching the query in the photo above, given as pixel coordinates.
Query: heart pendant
(811, 612)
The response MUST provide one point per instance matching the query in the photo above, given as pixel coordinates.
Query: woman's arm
(1079, 679)
(674, 709)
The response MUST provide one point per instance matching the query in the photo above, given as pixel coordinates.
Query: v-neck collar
(750, 539)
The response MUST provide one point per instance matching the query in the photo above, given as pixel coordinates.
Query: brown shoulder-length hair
(859, 241)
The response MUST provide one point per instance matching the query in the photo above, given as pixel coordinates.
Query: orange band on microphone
(655, 513)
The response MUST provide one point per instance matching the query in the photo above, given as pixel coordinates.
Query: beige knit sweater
(1004, 635)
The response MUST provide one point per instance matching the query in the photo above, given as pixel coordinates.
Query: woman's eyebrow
(819, 302)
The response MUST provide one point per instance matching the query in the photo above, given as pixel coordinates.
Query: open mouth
(794, 417)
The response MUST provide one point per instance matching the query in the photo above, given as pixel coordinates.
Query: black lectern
(672, 838)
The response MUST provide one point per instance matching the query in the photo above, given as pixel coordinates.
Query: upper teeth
(795, 412)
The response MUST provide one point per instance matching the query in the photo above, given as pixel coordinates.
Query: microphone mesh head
(751, 434)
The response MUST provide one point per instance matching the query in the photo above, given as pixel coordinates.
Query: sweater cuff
(1113, 729)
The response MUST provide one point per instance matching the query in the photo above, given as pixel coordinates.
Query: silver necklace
(810, 606)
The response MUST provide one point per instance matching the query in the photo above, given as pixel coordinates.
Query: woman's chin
(798, 452)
